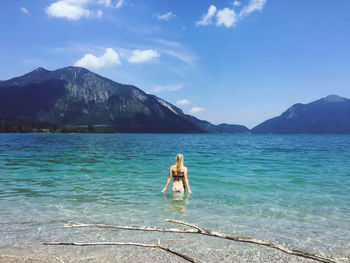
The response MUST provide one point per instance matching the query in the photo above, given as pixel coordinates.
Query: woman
(179, 173)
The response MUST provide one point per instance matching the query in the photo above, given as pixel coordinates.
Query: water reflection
(178, 202)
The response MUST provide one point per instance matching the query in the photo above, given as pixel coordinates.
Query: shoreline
(210, 252)
(27, 246)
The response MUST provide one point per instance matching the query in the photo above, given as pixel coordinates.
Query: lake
(289, 189)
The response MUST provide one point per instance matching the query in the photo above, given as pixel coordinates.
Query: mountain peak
(40, 69)
(333, 98)
(74, 68)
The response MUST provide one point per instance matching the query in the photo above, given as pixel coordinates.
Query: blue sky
(224, 61)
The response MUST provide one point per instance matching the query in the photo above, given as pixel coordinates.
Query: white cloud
(69, 9)
(183, 102)
(236, 3)
(119, 4)
(227, 17)
(140, 56)
(164, 88)
(195, 110)
(166, 16)
(109, 58)
(207, 19)
(253, 5)
(76, 9)
(25, 10)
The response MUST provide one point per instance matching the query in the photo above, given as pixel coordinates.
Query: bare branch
(255, 241)
(207, 232)
(174, 230)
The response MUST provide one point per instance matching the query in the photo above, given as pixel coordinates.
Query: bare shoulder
(185, 168)
(172, 167)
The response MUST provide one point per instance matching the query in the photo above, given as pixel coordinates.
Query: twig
(199, 230)
(60, 260)
(158, 245)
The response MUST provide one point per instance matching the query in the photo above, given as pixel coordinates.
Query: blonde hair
(179, 161)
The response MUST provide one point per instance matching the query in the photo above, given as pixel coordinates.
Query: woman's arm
(186, 181)
(167, 181)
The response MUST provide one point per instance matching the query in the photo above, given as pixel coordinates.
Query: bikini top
(178, 175)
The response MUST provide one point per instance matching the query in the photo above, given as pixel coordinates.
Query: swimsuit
(178, 176)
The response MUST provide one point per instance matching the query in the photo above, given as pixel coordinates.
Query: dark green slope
(75, 97)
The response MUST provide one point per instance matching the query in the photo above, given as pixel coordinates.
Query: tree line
(18, 125)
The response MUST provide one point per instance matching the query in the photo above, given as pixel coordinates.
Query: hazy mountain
(221, 128)
(74, 96)
(231, 128)
(325, 116)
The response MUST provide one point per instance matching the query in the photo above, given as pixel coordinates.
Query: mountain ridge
(74, 96)
(327, 115)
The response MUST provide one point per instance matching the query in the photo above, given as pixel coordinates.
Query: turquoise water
(290, 189)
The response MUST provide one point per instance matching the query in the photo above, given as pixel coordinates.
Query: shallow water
(289, 189)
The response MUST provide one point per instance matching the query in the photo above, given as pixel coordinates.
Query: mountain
(231, 128)
(208, 127)
(76, 97)
(329, 115)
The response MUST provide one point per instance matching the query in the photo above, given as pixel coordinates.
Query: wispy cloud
(106, 3)
(99, 13)
(164, 88)
(90, 61)
(165, 16)
(168, 42)
(253, 5)
(119, 4)
(187, 58)
(25, 11)
(228, 17)
(195, 110)
(176, 50)
(74, 47)
(207, 18)
(140, 56)
(183, 102)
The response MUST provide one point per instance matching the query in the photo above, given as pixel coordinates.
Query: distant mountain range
(77, 97)
(329, 115)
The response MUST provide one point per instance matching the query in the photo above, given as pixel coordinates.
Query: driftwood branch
(199, 230)
(257, 242)
(142, 228)
(158, 245)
